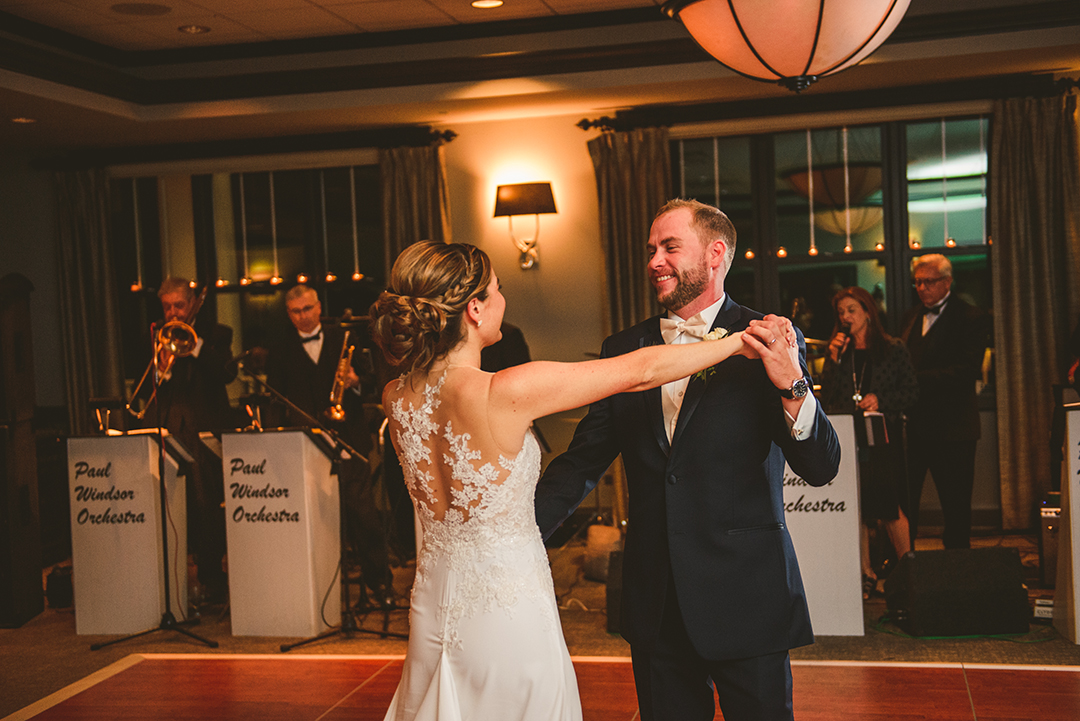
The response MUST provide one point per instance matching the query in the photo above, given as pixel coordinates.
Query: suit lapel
(729, 317)
(654, 407)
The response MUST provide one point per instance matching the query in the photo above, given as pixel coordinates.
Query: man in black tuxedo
(193, 398)
(947, 337)
(302, 368)
(711, 586)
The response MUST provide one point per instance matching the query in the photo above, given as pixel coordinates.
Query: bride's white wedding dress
(485, 641)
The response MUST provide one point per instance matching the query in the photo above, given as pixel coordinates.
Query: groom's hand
(774, 339)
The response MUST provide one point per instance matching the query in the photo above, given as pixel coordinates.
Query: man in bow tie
(712, 594)
(946, 337)
(302, 368)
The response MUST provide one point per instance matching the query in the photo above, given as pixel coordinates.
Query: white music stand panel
(282, 522)
(117, 561)
(824, 526)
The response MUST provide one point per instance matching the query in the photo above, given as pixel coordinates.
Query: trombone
(179, 338)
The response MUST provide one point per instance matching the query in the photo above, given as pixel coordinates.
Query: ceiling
(99, 74)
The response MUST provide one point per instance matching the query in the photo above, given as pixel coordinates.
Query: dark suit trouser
(674, 683)
(952, 466)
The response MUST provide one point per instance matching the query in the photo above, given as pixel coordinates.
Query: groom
(711, 587)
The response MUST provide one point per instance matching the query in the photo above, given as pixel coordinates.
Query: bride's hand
(745, 349)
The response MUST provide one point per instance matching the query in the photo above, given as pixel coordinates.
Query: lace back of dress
(450, 482)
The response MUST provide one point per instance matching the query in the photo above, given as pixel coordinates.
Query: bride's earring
(479, 322)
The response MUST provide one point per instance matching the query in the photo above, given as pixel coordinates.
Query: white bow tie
(694, 326)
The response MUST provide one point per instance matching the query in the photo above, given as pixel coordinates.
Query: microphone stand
(348, 624)
(168, 620)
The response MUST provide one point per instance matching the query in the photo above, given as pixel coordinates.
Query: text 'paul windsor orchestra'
(92, 494)
(248, 491)
(821, 505)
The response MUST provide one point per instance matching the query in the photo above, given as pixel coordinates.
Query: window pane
(136, 258)
(947, 182)
(806, 291)
(740, 283)
(971, 281)
(833, 190)
(717, 171)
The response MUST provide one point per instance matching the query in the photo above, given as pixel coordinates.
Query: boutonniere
(714, 334)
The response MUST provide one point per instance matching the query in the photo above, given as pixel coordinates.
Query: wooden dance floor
(268, 688)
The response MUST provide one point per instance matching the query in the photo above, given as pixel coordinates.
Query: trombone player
(304, 367)
(192, 398)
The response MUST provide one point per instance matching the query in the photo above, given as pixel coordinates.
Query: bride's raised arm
(521, 394)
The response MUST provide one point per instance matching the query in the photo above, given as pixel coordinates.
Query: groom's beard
(689, 285)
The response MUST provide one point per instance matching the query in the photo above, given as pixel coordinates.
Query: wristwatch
(799, 388)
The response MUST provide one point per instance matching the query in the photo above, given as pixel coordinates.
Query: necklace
(857, 380)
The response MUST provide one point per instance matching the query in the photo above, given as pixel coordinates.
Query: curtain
(415, 198)
(89, 305)
(1035, 260)
(633, 180)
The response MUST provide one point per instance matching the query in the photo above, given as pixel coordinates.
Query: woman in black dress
(869, 373)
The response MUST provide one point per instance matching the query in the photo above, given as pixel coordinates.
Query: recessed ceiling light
(193, 29)
(485, 4)
(24, 121)
(141, 9)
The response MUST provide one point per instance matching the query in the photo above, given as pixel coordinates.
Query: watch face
(800, 388)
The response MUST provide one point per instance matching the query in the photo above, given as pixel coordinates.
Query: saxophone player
(303, 367)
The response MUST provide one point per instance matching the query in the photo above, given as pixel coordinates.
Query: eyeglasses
(920, 282)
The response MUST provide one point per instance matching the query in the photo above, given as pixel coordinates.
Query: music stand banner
(824, 526)
(116, 555)
(282, 522)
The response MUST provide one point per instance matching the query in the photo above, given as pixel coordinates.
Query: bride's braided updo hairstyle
(418, 318)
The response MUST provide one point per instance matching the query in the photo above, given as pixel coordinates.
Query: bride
(485, 640)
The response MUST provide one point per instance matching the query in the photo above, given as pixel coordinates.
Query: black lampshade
(524, 199)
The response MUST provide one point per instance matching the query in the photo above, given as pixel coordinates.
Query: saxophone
(335, 412)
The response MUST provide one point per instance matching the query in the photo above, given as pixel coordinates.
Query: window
(239, 227)
(803, 251)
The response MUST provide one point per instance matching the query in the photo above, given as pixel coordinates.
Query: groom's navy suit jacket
(707, 509)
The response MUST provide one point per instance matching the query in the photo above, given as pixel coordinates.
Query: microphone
(234, 364)
(845, 328)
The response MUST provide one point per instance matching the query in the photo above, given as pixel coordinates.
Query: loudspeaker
(959, 592)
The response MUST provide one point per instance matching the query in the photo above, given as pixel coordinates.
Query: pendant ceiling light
(789, 42)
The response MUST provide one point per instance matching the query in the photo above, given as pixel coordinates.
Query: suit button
(672, 480)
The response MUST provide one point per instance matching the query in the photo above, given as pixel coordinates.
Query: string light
(357, 275)
(809, 192)
(276, 279)
(138, 284)
(879, 247)
(749, 254)
(302, 278)
(221, 283)
(245, 279)
(330, 277)
(847, 195)
(944, 188)
(781, 252)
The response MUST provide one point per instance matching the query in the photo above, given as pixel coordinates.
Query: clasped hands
(773, 340)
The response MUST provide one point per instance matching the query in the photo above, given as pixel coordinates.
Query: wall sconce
(524, 199)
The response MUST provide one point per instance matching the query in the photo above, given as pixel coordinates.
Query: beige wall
(559, 304)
